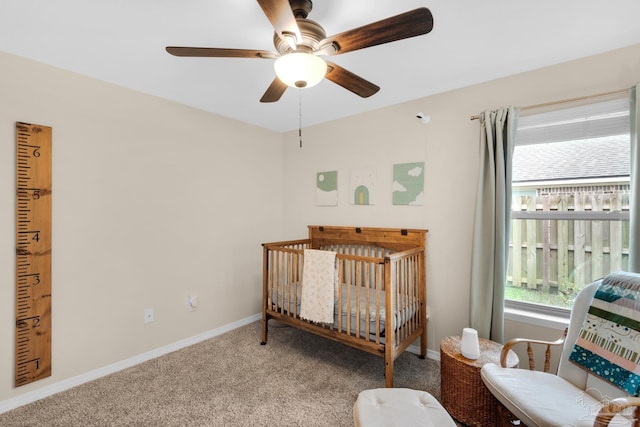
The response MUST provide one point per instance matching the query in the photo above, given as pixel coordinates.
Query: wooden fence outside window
(554, 251)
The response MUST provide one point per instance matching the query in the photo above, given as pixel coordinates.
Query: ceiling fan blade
(274, 91)
(409, 24)
(350, 81)
(213, 52)
(282, 19)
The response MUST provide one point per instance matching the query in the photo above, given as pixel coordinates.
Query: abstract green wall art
(327, 188)
(408, 184)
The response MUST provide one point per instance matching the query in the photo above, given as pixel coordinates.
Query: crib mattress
(291, 300)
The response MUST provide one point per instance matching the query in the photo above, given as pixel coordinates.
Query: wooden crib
(376, 268)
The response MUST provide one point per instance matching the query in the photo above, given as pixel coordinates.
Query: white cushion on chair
(399, 407)
(543, 399)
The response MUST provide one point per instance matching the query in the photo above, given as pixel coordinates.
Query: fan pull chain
(300, 116)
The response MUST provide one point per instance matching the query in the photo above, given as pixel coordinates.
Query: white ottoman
(399, 407)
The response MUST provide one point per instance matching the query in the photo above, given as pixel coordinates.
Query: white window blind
(607, 118)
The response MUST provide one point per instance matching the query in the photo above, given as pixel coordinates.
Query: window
(570, 203)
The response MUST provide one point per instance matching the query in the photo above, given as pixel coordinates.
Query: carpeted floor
(297, 379)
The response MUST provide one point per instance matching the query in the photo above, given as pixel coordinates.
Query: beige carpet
(297, 379)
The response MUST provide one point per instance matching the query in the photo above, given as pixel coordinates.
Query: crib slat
(341, 280)
(367, 290)
(378, 288)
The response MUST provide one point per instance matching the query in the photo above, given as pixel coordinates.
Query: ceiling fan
(300, 44)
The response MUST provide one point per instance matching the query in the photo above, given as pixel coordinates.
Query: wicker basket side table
(463, 393)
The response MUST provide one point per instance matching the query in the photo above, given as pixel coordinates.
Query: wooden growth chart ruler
(33, 253)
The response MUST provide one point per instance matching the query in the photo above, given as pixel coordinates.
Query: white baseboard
(41, 393)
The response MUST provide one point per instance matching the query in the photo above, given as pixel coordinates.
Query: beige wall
(449, 147)
(151, 200)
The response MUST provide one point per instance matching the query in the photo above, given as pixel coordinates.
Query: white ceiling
(123, 41)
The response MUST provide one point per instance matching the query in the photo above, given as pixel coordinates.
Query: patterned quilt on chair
(608, 344)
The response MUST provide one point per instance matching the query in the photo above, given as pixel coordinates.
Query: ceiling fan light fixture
(300, 70)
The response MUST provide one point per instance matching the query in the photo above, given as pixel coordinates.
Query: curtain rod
(563, 101)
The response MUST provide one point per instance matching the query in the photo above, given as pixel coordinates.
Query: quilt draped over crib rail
(319, 278)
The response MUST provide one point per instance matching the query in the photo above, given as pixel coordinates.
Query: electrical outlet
(148, 315)
(428, 312)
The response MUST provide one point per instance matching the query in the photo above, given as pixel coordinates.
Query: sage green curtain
(492, 222)
(634, 201)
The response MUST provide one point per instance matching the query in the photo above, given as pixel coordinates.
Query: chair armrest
(547, 356)
(614, 407)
